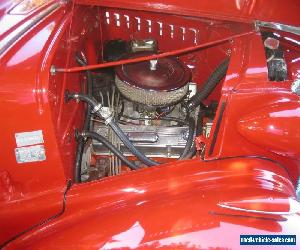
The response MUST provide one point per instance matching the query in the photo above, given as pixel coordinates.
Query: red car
(150, 124)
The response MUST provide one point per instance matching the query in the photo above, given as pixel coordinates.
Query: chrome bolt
(153, 64)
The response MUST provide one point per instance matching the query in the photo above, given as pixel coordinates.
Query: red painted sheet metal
(32, 99)
(240, 10)
(11, 16)
(275, 127)
(32, 191)
(155, 56)
(247, 90)
(174, 205)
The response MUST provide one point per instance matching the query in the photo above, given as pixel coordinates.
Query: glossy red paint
(277, 124)
(24, 107)
(151, 56)
(177, 205)
(12, 17)
(241, 10)
(32, 99)
(183, 204)
(246, 90)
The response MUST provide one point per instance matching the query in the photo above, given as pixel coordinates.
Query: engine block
(153, 141)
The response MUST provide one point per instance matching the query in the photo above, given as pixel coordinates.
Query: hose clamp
(106, 114)
(81, 134)
(97, 108)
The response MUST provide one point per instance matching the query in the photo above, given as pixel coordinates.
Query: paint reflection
(131, 238)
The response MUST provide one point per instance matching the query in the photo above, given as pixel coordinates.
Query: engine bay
(155, 105)
(148, 87)
(131, 111)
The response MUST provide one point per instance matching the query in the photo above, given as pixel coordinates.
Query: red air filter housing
(158, 82)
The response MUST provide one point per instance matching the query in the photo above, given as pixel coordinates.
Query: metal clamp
(97, 108)
(106, 113)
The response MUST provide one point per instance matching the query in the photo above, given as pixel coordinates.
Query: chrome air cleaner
(158, 82)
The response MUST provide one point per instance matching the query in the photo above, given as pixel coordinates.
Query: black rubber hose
(78, 159)
(130, 146)
(190, 140)
(82, 97)
(93, 103)
(86, 125)
(110, 146)
(166, 118)
(199, 130)
(209, 85)
(144, 158)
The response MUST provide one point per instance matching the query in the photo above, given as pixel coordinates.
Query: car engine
(148, 102)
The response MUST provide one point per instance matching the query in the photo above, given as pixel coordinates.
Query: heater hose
(210, 84)
(110, 146)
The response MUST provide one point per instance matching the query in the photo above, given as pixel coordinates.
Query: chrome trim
(13, 36)
(294, 208)
(278, 26)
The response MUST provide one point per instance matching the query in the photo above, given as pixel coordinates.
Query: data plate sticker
(30, 154)
(29, 138)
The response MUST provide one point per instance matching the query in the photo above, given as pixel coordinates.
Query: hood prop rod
(151, 57)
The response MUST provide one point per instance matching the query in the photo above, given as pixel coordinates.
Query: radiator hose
(210, 84)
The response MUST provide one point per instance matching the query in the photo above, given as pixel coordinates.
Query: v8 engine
(148, 103)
